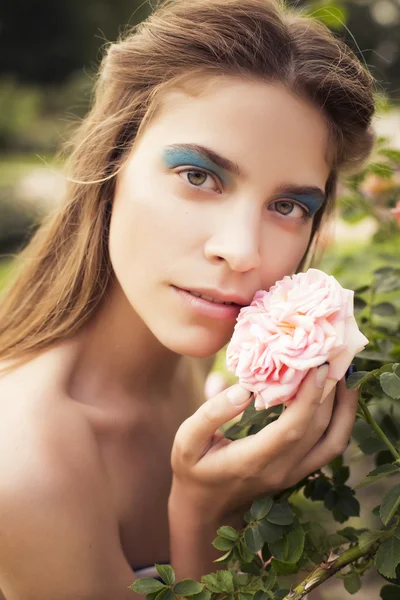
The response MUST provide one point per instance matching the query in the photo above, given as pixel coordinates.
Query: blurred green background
(49, 52)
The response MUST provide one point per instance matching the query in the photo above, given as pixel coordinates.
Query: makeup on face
(197, 156)
(313, 202)
(194, 155)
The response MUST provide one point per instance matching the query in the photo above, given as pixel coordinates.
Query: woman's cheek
(282, 250)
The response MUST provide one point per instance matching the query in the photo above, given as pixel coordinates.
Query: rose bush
(302, 322)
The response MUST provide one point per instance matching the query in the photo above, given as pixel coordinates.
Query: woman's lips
(206, 308)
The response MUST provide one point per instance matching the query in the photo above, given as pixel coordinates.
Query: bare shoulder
(56, 516)
(38, 422)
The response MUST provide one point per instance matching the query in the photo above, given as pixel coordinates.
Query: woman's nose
(236, 240)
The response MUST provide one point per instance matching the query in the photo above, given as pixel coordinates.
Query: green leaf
(382, 169)
(270, 532)
(352, 582)
(331, 499)
(261, 507)
(367, 538)
(359, 304)
(379, 473)
(390, 592)
(204, 595)
(382, 140)
(248, 583)
(362, 289)
(388, 556)
(250, 568)
(350, 533)
(188, 587)
(389, 426)
(356, 379)
(166, 573)
(261, 595)
(223, 544)
(269, 581)
(240, 580)
(279, 549)
(280, 514)
(225, 580)
(166, 594)
(372, 444)
(253, 539)
(316, 489)
(281, 594)
(244, 596)
(389, 284)
(290, 548)
(385, 309)
(390, 384)
(147, 585)
(229, 533)
(383, 271)
(248, 517)
(336, 464)
(153, 596)
(295, 544)
(390, 153)
(284, 568)
(341, 475)
(211, 582)
(245, 553)
(347, 503)
(224, 557)
(390, 504)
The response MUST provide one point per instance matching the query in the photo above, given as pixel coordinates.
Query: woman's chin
(198, 346)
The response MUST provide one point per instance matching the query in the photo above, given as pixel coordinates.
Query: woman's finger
(285, 433)
(336, 438)
(194, 435)
(316, 429)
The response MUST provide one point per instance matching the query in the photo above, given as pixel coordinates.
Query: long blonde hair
(65, 269)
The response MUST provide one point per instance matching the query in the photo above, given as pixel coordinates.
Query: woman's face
(217, 198)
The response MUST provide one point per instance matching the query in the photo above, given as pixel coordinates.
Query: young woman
(202, 173)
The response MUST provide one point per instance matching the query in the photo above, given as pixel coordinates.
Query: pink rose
(300, 323)
(396, 213)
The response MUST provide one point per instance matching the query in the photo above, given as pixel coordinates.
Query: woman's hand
(218, 476)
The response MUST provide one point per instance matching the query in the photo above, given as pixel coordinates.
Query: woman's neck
(117, 354)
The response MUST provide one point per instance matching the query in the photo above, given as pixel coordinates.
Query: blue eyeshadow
(177, 157)
(312, 202)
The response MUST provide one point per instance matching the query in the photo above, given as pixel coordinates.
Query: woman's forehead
(247, 121)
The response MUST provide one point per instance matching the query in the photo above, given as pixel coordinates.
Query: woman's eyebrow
(234, 168)
(207, 153)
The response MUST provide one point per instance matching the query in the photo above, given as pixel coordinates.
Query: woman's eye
(287, 207)
(199, 178)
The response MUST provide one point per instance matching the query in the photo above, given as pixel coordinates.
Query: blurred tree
(372, 30)
(43, 41)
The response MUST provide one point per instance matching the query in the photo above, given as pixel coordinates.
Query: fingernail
(322, 375)
(352, 369)
(237, 395)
